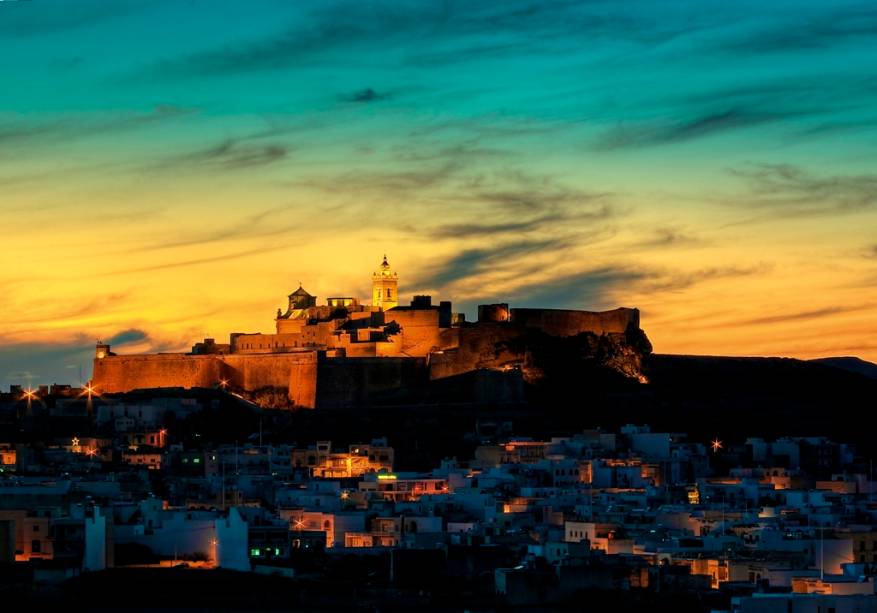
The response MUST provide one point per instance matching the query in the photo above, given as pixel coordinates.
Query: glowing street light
(89, 390)
(716, 444)
(29, 395)
(223, 383)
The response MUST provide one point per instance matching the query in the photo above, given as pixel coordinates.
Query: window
(36, 546)
(389, 293)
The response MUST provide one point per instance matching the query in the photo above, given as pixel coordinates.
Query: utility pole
(821, 553)
(223, 484)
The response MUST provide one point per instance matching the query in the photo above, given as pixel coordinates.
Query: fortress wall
(421, 332)
(296, 371)
(265, 343)
(290, 326)
(254, 371)
(346, 382)
(303, 383)
(388, 349)
(558, 322)
(476, 348)
(123, 373)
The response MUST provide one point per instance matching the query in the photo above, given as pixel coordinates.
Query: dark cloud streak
(805, 315)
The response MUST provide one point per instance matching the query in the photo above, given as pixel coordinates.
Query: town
(129, 483)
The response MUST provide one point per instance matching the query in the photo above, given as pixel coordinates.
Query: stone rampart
(558, 322)
(295, 371)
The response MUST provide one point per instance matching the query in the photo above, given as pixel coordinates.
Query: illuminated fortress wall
(295, 371)
(370, 370)
(346, 354)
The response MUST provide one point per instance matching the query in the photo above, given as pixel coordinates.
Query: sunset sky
(173, 169)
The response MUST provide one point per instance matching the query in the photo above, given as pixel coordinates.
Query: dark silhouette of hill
(852, 364)
(703, 396)
(758, 396)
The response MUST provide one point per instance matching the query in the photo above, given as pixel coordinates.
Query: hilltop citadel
(344, 353)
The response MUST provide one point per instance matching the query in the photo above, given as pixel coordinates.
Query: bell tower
(385, 285)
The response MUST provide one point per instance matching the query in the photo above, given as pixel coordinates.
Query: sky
(172, 169)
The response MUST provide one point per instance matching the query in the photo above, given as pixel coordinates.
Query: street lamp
(89, 390)
(29, 395)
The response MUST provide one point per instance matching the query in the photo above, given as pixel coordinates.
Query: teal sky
(171, 168)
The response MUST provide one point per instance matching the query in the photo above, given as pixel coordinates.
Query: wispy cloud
(582, 290)
(60, 360)
(806, 315)
(364, 95)
(230, 154)
(789, 190)
(132, 335)
(35, 20)
(672, 237)
(673, 280)
(644, 134)
(194, 261)
(322, 33)
(16, 130)
(273, 221)
(480, 230)
(470, 263)
(812, 31)
(68, 311)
